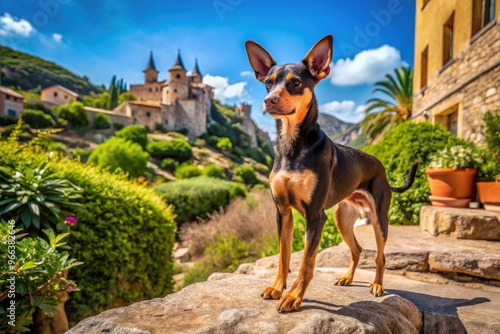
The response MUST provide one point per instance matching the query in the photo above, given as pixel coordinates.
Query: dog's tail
(410, 180)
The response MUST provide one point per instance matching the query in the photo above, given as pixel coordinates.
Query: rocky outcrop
(460, 223)
(231, 303)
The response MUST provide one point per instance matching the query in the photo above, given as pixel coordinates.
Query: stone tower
(178, 86)
(150, 72)
(195, 76)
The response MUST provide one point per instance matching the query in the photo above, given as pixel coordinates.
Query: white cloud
(367, 67)
(222, 89)
(13, 26)
(246, 73)
(57, 37)
(346, 110)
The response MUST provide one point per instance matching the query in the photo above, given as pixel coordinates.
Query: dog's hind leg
(345, 215)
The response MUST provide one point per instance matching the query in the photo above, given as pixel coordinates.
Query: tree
(75, 114)
(135, 133)
(385, 113)
(102, 121)
(126, 96)
(121, 153)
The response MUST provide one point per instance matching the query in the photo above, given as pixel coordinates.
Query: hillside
(341, 132)
(28, 72)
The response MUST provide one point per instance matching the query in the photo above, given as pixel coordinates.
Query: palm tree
(385, 113)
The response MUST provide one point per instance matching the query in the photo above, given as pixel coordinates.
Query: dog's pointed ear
(318, 59)
(260, 60)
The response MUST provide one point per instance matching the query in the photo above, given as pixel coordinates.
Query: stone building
(58, 95)
(182, 102)
(248, 125)
(457, 64)
(11, 102)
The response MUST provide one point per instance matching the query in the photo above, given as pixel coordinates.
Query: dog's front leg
(285, 229)
(292, 300)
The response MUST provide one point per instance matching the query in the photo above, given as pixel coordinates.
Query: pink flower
(70, 220)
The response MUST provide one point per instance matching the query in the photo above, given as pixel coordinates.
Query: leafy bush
(177, 149)
(330, 236)
(214, 171)
(42, 107)
(36, 272)
(7, 120)
(195, 197)
(491, 169)
(37, 119)
(169, 164)
(135, 133)
(74, 114)
(121, 153)
(247, 174)
(102, 121)
(224, 144)
(124, 236)
(400, 147)
(187, 171)
(118, 126)
(465, 155)
(238, 189)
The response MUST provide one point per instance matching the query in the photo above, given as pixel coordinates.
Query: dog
(311, 173)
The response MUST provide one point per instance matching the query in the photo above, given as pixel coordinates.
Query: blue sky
(103, 38)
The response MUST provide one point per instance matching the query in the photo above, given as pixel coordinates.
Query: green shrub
(403, 145)
(237, 189)
(169, 164)
(261, 168)
(7, 120)
(37, 119)
(195, 197)
(212, 141)
(39, 106)
(118, 126)
(177, 135)
(177, 149)
(81, 154)
(120, 153)
(74, 114)
(329, 237)
(224, 144)
(124, 236)
(214, 171)
(102, 121)
(135, 133)
(187, 171)
(247, 174)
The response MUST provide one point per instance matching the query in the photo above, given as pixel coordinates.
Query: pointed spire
(151, 63)
(178, 62)
(196, 69)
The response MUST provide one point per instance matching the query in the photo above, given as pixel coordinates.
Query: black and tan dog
(312, 174)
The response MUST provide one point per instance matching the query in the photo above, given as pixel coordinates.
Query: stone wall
(192, 115)
(469, 85)
(149, 91)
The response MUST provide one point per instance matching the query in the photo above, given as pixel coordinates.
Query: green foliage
(247, 174)
(198, 273)
(126, 97)
(195, 197)
(462, 155)
(177, 149)
(169, 164)
(214, 171)
(405, 144)
(121, 153)
(34, 196)
(116, 236)
(237, 189)
(187, 171)
(227, 252)
(30, 72)
(34, 267)
(224, 144)
(330, 236)
(38, 106)
(118, 126)
(102, 121)
(74, 114)
(492, 131)
(37, 119)
(7, 120)
(135, 133)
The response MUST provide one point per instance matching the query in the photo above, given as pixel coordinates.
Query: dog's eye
(295, 82)
(268, 82)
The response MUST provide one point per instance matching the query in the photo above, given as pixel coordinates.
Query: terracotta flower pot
(489, 192)
(453, 183)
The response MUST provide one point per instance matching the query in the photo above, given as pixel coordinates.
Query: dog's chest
(293, 187)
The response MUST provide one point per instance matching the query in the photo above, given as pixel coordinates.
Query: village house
(11, 103)
(58, 95)
(457, 64)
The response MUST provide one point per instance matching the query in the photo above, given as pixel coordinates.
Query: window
(11, 113)
(483, 12)
(452, 122)
(175, 90)
(148, 114)
(65, 97)
(7, 97)
(55, 94)
(423, 67)
(177, 76)
(448, 40)
(150, 90)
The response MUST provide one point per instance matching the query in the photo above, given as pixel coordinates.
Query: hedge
(37, 119)
(177, 149)
(197, 197)
(124, 236)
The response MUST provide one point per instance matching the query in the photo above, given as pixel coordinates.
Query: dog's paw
(271, 293)
(344, 280)
(377, 290)
(288, 303)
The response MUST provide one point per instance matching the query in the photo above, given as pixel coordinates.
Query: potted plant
(489, 187)
(452, 175)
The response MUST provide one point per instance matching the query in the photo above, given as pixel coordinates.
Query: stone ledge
(460, 223)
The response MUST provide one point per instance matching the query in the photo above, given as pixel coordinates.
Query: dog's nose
(271, 99)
